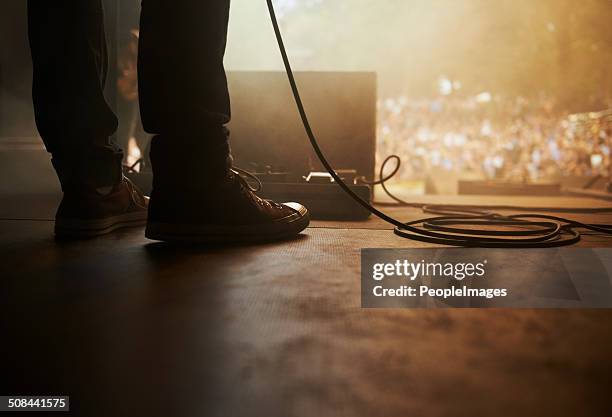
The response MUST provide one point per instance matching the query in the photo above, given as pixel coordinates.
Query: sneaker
(228, 212)
(90, 212)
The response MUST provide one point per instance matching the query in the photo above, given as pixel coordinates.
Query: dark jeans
(182, 85)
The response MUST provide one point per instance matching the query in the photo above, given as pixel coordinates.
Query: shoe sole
(76, 228)
(206, 234)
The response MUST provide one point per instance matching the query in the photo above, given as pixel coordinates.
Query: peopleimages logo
(414, 270)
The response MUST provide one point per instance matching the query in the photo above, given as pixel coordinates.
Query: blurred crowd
(489, 137)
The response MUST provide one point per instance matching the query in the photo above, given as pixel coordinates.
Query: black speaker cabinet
(266, 129)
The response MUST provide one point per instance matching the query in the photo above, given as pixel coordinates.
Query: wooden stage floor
(129, 327)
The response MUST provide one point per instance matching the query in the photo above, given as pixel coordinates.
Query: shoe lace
(243, 176)
(137, 196)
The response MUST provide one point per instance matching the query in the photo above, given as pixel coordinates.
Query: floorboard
(130, 327)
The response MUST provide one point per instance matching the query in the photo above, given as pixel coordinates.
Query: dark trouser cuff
(85, 169)
(190, 161)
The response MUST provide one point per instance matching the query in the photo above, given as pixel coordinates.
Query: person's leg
(184, 101)
(182, 84)
(69, 59)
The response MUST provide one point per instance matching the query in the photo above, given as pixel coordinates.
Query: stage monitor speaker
(266, 129)
(498, 187)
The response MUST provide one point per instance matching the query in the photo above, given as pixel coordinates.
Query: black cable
(548, 231)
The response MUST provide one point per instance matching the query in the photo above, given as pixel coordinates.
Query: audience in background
(486, 137)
